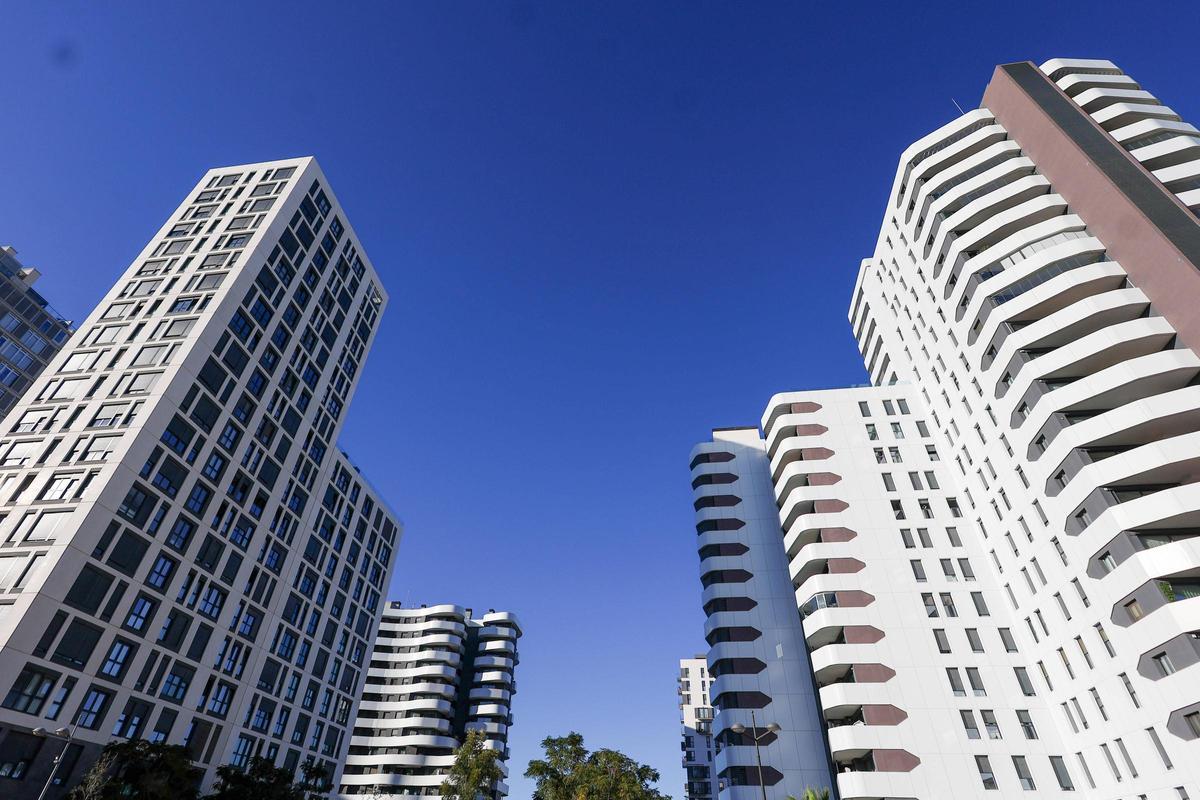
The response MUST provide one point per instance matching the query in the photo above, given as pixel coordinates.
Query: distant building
(696, 717)
(436, 672)
(31, 332)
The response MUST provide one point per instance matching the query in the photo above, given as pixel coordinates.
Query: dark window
(89, 589)
(128, 552)
(30, 690)
(77, 644)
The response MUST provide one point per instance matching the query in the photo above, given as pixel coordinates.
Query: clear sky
(606, 228)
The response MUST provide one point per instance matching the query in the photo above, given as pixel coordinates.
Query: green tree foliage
(476, 769)
(140, 770)
(570, 772)
(260, 780)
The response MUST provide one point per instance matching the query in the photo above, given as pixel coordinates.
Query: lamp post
(739, 728)
(67, 735)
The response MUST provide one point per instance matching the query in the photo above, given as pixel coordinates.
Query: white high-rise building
(994, 549)
(187, 556)
(695, 717)
(436, 673)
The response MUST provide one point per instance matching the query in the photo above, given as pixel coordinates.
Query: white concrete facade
(188, 557)
(695, 719)
(436, 673)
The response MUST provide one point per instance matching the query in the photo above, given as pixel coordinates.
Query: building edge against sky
(188, 556)
(436, 674)
(994, 549)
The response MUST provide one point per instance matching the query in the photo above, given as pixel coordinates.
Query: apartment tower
(994, 548)
(695, 717)
(436, 673)
(187, 555)
(31, 331)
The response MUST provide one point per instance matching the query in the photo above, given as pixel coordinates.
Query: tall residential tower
(994, 549)
(187, 555)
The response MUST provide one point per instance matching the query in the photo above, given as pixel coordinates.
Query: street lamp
(67, 735)
(739, 729)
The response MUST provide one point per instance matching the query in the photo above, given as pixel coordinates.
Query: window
(1006, 638)
(1060, 772)
(219, 704)
(1024, 776)
(968, 720)
(139, 613)
(161, 572)
(30, 690)
(1104, 640)
(943, 641)
(1158, 746)
(91, 712)
(956, 684)
(1024, 682)
(918, 570)
(980, 606)
(985, 772)
(976, 682)
(1026, 723)
(176, 685)
(114, 662)
(1132, 692)
(974, 640)
(1134, 609)
(1163, 664)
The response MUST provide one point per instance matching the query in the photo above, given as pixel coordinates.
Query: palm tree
(812, 794)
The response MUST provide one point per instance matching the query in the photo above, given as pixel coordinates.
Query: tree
(142, 770)
(570, 772)
(261, 780)
(316, 782)
(476, 769)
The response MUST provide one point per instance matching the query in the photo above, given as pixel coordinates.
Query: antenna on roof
(956, 105)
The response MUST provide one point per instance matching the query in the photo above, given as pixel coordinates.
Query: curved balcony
(977, 135)
(819, 518)
(974, 171)
(1037, 299)
(495, 647)
(1068, 324)
(1118, 385)
(783, 410)
(482, 693)
(823, 559)
(493, 678)
(996, 216)
(978, 194)
(835, 672)
(497, 632)
(1118, 115)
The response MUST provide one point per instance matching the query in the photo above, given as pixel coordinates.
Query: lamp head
(738, 727)
(39, 731)
(774, 728)
(62, 732)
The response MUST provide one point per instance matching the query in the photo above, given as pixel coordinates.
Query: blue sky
(605, 228)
